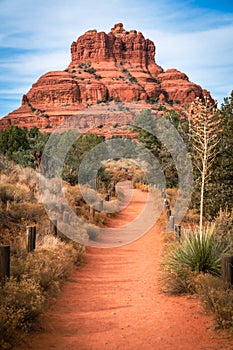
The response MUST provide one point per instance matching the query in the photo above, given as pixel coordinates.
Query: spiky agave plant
(198, 252)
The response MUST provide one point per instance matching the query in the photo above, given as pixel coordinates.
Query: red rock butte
(104, 67)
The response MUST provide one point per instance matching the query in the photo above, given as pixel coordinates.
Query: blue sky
(193, 36)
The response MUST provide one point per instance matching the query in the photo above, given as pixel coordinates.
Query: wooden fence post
(31, 238)
(177, 229)
(53, 227)
(171, 222)
(4, 262)
(167, 207)
(168, 211)
(227, 268)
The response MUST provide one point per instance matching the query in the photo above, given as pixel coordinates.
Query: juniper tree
(224, 167)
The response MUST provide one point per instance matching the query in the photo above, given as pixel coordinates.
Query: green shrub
(201, 253)
(132, 79)
(195, 254)
(97, 77)
(90, 70)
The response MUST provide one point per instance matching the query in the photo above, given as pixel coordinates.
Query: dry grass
(177, 282)
(22, 204)
(141, 186)
(36, 276)
(191, 217)
(171, 195)
(27, 212)
(223, 230)
(21, 303)
(217, 298)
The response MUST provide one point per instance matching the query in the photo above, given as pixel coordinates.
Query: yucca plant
(198, 252)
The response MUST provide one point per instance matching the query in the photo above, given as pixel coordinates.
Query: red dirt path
(113, 302)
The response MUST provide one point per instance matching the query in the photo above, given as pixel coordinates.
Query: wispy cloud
(206, 56)
(37, 63)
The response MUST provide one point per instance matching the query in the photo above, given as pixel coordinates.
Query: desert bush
(35, 276)
(30, 212)
(171, 195)
(21, 302)
(223, 230)
(24, 180)
(217, 297)
(10, 193)
(75, 231)
(201, 253)
(191, 217)
(48, 266)
(144, 188)
(89, 194)
(177, 281)
(141, 186)
(5, 163)
(51, 242)
(100, 218)
(73, 195)
(195, 254)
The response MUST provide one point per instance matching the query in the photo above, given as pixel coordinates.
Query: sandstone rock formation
(116, 66)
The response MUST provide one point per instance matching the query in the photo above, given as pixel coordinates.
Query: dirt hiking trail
(114, 302)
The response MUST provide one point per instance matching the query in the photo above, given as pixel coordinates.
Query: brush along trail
(114, 302)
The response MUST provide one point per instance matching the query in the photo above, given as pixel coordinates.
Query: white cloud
(206, 57)
(37, 63)
(15, 91)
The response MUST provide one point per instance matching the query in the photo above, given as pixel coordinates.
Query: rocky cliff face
(116, 66)
(117, 46)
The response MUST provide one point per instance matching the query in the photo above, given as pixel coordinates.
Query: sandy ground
(114, 302)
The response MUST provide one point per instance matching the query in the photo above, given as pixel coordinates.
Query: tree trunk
(203, 177)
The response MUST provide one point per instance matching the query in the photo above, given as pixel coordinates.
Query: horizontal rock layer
(117, 66)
